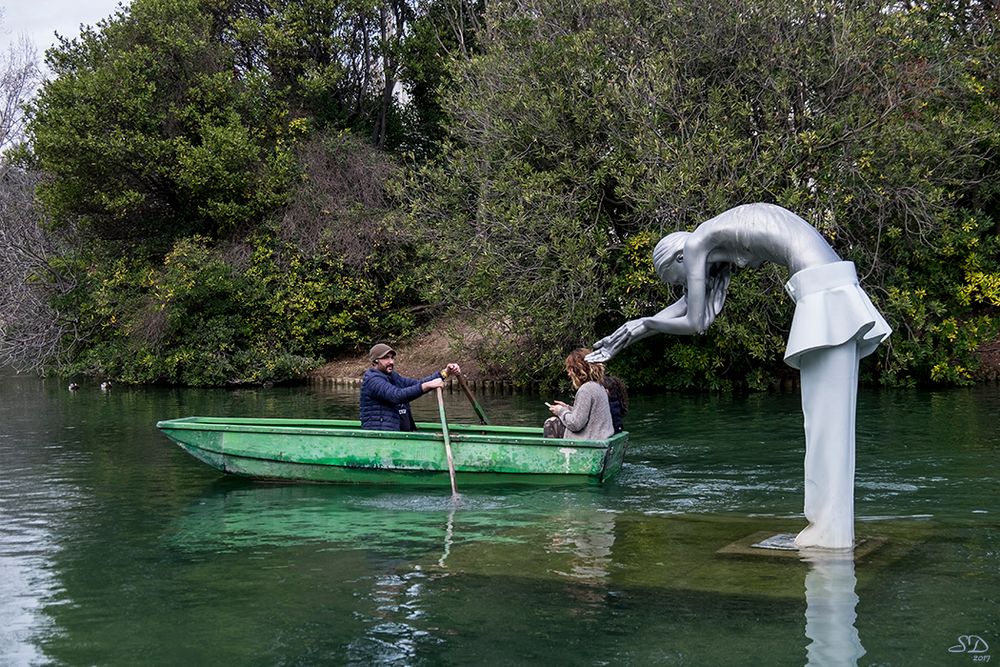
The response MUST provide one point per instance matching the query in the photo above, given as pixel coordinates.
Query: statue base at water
(782, 541)
(782, 546)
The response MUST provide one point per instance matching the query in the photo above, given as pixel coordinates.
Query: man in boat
(386, 395)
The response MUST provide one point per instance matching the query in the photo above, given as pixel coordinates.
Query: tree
(186, 146)
(336, 62)
(520, 198)
(19, 78)
(586, 130)
(265, 306)
(442, 30)
(178, 117)
(34, 330)
(149, 134)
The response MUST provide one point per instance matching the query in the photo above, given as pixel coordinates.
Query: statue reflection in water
(587, 538)
(831, 608)
(834, 326)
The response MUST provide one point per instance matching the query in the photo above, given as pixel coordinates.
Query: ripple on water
(437, 503)
(886, 486)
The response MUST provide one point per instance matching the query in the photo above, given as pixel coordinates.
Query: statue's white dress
(834, 326)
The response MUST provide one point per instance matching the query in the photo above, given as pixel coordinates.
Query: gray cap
(379, 351)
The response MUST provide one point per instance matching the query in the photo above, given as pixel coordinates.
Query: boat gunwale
(351, 428)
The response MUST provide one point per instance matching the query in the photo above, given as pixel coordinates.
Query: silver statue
(834, 326)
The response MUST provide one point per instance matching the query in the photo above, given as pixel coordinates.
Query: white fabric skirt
(831, 309)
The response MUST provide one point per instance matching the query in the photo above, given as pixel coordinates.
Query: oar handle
(472, 398)
(447, 441)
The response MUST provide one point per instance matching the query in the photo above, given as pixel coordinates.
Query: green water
(116, 548)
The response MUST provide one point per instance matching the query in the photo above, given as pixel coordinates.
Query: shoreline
(493, 387)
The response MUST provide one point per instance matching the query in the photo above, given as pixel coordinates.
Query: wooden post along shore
(488, 387)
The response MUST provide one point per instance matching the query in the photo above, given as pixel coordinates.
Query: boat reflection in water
(831, 604)
(236, 514)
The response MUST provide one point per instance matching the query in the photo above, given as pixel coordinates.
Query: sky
(39, 20)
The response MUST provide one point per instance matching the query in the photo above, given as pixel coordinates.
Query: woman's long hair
(718, 273)
(617, 392)
(580, 370)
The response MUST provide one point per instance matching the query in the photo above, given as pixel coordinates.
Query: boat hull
(339, 451)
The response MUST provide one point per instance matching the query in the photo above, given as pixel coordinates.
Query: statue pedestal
(782, 541)
(782, 545)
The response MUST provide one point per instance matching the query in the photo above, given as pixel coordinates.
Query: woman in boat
(589, 418)
(617, 401)
(835, 324)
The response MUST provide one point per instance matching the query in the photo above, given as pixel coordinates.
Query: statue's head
(668, 258)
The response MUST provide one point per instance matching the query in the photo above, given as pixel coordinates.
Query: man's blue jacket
(385, 400)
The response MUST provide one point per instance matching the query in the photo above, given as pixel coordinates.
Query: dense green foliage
(230, 227)
(586, 130)
(149, 136)
(231, 176)
(265, 308)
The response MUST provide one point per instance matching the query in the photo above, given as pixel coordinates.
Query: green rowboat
(334, 450)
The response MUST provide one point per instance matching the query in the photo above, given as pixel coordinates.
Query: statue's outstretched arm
(677, 322)
(635, 330)
(707, 284)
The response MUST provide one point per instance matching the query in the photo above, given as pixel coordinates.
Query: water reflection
(393, 634)
(449, 535)
(36, 455)
(232, 515)
(830, 608)
(587, 537)
(28, 583)
(407, 555)
(26, 547)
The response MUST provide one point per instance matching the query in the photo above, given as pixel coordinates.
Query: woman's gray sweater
(590, 416)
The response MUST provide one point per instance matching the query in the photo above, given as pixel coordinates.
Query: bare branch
(33, 331)
(20, 76)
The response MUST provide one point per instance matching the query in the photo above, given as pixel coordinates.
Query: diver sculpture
(835, 324)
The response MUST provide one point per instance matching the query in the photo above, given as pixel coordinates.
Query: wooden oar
(472, 399)
(447, 441)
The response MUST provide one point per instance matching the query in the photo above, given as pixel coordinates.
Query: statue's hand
(606, 348)
(599, 356)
